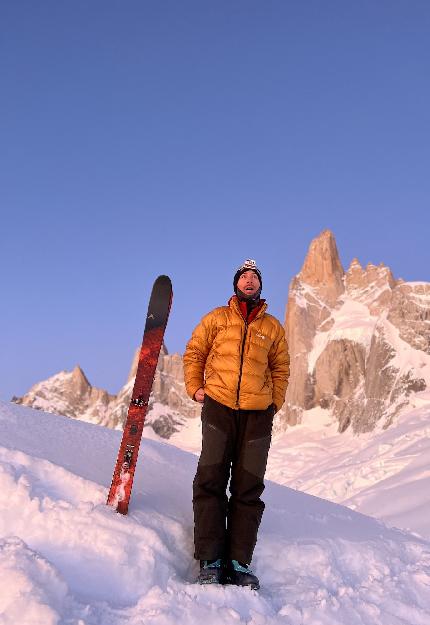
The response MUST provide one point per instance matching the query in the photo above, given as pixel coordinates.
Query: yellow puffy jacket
(238, 364)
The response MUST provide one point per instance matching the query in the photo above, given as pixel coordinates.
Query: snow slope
(66, 558)
(384, 473)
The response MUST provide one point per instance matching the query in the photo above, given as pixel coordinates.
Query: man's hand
(199, 395)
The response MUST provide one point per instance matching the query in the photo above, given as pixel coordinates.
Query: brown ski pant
(235, 445)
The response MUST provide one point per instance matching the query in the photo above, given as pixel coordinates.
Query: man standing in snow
(236, 363)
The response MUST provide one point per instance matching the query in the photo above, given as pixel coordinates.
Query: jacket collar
(234, 304)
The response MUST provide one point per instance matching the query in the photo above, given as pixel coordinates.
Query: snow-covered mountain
(70, 394)
(359, 340)
(359, 344)
(66, 558)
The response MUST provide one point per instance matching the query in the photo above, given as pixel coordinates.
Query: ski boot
(241, 575)
(211, 572)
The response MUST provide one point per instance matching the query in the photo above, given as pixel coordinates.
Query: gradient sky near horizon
(140, 138)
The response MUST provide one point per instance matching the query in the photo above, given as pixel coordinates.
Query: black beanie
(248, 265)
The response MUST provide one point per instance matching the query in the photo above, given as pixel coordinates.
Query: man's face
(248, 282)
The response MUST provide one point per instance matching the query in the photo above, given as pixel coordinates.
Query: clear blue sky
(140, 138)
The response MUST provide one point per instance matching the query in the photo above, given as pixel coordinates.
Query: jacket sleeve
(279, 364)
(196, 353)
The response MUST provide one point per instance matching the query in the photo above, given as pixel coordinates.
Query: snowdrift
(66, 558)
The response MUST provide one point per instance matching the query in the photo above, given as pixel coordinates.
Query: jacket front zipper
(241, 363)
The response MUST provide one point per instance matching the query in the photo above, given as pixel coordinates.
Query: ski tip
(163, 283)
(163, 279)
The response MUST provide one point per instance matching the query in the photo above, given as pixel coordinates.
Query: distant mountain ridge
(70, 394)
(359, 345)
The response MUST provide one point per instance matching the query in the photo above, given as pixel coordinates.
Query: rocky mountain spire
(322, 268)
(79, 382)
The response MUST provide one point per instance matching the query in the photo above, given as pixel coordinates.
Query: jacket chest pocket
(258, 342)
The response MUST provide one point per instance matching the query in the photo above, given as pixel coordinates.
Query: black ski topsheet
(156, 321)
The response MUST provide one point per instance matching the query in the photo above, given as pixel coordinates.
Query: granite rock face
(322, 269)
(359, 340)
(410, 313)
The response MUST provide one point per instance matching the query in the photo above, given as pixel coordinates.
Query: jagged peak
(322, 266)
(371, 285)
(79, 377)
(355, 264)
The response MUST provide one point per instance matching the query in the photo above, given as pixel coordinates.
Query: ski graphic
(156, 321)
